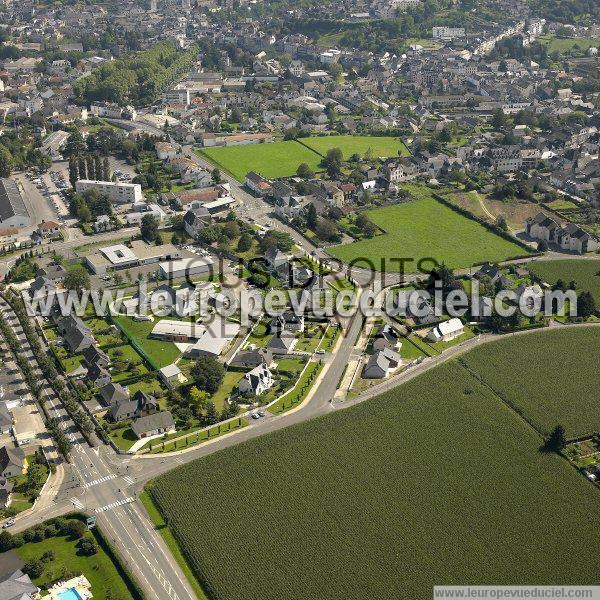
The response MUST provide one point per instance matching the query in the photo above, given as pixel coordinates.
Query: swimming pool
(71, 594)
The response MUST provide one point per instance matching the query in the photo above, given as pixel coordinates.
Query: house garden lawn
(123, 437)
(426, 228)
(300, 389)
(410, 351)
(435, 482)
(99, 569)
(585, 273)
(228, 385)
(380, 146)
(271, 160)
(160, 352)
(551, 376)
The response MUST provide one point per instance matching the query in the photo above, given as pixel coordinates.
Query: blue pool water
(71, 594)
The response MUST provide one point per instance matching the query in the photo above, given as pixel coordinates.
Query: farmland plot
(552, 376)
(434, 482)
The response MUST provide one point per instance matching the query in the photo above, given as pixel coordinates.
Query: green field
(427, 228)
(357, 144)
(158, 351)
(558, 44)
(435, 482)
(551, 376)
(99, 568)
(276, 159)
(585, 273)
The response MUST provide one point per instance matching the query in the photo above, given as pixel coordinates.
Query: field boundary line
(509, 404)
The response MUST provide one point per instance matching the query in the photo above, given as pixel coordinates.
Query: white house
(447, 331)
(256, 382)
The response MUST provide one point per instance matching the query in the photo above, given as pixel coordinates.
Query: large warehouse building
(13, 212)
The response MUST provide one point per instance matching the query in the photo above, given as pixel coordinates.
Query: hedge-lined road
(98, 482)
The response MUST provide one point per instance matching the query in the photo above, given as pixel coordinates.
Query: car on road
(9, 523)
(255, 416)
(320, 352)
(261, 413)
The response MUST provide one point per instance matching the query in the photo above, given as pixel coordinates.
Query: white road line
(76, 503)
(98, 481)
(114, 505)
(128, 480)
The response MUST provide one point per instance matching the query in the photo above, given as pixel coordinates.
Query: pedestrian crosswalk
(113, 505)
(128, 480)
(89, 484)
(76, 503)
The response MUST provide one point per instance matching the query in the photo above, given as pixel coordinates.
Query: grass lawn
(228, 385)
(260, 335)
(276, 159)
(426, 228)
(300, 390)
(558, 44)
(311, 337)
(160, 352)
(379, 146)
(123, 437)
(585, 272)
(551, 376)
(98, 569)
(410, 351)
(435, 482)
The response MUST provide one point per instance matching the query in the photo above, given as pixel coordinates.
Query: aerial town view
(299, 300)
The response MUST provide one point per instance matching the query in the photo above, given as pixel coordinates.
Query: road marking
(114, 505)
(128, 480)
(76, 503)
(89, 484)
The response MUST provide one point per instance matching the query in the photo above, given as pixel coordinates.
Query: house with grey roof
(381, 363)
(282, 343)
(245, 359)
(76, 333)
(155, 424)
(12, 461)
(113, 394)
(14, 584)
(140, 404)
(6, 488)
(98, 376)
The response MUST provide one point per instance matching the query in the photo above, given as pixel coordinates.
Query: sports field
(435, 482)
(551, 376)
(585, 273)
(271, 160)
(357, 144)
(426, 228)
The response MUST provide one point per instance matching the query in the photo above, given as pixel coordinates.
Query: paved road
(98, 481)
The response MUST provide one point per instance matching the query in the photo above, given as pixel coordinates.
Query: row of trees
(138, 78)
(60, 438)
(67, 398)
(90, 166)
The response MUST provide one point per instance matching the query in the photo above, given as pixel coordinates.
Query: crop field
(275, 159)
(551, 376)
(435, 482)
(427, 228)
(585, 273)
(379, 146)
